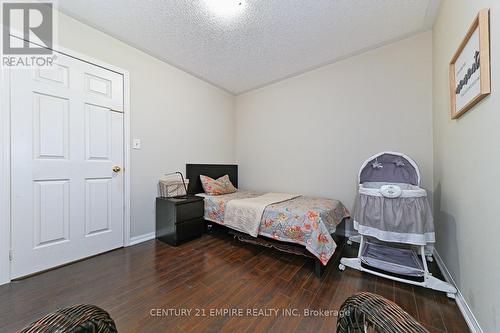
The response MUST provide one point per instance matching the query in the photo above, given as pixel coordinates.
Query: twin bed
(293, 223)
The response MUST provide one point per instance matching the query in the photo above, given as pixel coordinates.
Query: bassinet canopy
(389, 167)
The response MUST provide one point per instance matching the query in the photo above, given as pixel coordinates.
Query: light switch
(136, 143)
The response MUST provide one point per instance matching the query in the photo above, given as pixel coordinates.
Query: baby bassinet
(390, 204)
(391, 208)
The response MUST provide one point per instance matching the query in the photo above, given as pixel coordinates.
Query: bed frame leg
(318, 268)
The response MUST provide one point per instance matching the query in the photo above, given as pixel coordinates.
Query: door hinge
(11, 255)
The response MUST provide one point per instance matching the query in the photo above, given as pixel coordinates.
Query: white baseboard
(141, 238)
(469, 317)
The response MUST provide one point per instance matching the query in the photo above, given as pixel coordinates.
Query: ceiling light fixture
(226, 8)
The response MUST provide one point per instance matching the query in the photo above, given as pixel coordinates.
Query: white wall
(178, 117)
(311, 133)
(4, 186)
(466, 159)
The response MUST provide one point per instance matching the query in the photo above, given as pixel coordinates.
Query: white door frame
(5, 162)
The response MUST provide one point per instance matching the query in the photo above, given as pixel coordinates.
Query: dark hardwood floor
(213, 272)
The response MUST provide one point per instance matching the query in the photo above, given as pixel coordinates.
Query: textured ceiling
(270, 40)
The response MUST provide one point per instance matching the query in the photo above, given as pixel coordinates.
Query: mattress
(308, 221)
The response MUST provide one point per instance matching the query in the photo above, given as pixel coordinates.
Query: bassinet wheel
(341, 267)
(349, 242)
(429, 258)
(451, 295)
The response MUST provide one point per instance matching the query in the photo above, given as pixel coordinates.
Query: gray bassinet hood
(390, 167)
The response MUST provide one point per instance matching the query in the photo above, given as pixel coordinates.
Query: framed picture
(470, 67)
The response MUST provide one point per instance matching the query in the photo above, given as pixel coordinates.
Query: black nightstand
(179, 220)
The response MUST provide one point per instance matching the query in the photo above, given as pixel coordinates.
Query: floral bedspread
(308, 221)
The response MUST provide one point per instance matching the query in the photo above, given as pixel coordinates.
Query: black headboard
(193, 172)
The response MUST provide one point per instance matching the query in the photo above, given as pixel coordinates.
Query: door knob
(116, 168)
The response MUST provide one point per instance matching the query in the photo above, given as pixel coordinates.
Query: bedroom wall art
(470, 67)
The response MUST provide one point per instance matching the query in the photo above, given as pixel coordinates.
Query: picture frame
(469, 69)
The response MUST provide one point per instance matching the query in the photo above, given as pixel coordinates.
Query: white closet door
(67, 136)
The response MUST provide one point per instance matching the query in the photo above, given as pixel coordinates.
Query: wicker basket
(367, 312)
(170, 188)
